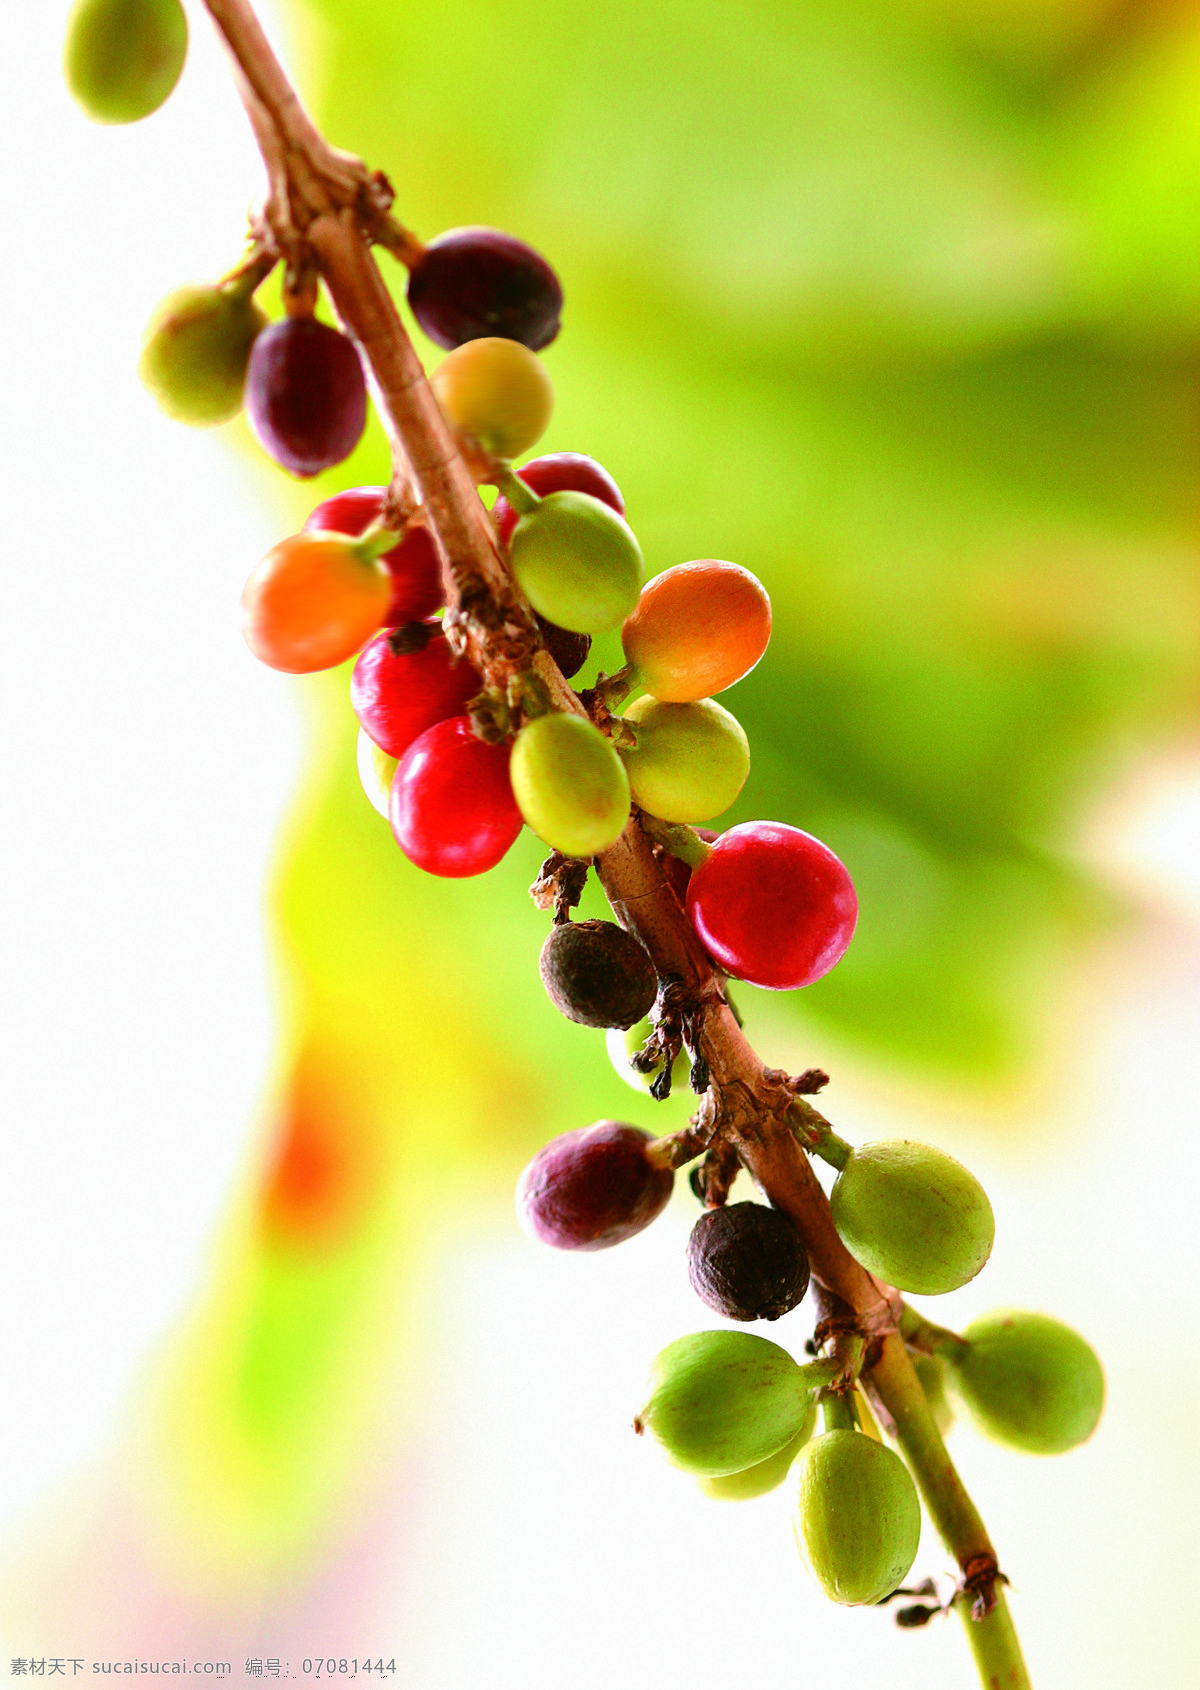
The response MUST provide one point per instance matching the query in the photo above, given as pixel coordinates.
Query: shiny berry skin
(690, 760)
(578, 562)
(495, 395)
(773, 905)
(413, 562)
(697, 629)
(452, 809)
(313, 601)
(559, 472)
(122, 58)
(407, 680)
(305, 395)
(592, 1188)
(570, 784)
(475, 282)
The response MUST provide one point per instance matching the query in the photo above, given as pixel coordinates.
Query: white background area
(145, 761)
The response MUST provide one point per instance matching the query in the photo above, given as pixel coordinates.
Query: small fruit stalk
(469, 730)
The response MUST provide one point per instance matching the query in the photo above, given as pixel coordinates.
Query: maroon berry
(305, 394)
(773, 905)
(597, 974)
(592, 1188)
(747, 1262)
(559, 472)
(407, 680)
(569, 651)
(413, 562)
(451, 807)
(470, 284)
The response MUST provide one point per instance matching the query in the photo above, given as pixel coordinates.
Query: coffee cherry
(765, 1475)
(597, 974)
(1028, 1381)
(931, 1371)
(578, 561)
(690, 760)
(621, 1045)
(452, 808)
(375, 771)
(773, 905)
(123, 57)
(305, 395)
(569, 651)
(723, 1401)
(747, 1262)
(470, 283)
(195, 352)
(559, 472)
(495, 394)
(697, 629)
(913, 1216)
(858, 1520)
(592, 1188)
(570, 784)
(413, 562)
(407, 680)
(312, 602)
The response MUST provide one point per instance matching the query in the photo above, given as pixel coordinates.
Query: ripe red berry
(305, 394)
(475, 282)
(559, 472)
(407, 680)
(592, 1188)
(413, 562)
(452, 809)
(773, 905)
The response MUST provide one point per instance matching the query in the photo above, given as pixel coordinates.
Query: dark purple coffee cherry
(592, 1188)
(569, 651)
(597, 974)
(305, 394)
(747, 1262)
(471, 283)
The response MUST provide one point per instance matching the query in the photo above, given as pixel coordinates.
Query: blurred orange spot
(316, 1180)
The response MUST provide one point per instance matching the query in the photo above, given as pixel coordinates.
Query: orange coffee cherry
(313, 601)
(696, 630)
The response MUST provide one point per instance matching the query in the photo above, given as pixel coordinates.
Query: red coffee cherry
(305, 394)
(413, 562)
(592, 1188)
(475, 282)
(773, 905)
(452, 809)
(559, 472)
(406, 681)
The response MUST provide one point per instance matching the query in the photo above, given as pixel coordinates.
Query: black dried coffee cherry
(473, 283)
(747, 1262)
(597, 974)
(568, 650)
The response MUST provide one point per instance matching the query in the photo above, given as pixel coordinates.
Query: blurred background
(896, 305)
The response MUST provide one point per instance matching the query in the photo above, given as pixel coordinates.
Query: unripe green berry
(569, 783)
(690, 760)
(913, 1216)
(123, 57)
(195, 352)
(931, 1371)
(723, 1401)
(765, 1475)
(578, 562)
(1028, 1381)
(858, 1520)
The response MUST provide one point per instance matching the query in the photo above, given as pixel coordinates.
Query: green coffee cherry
(931, 1371)
(858, 1520)
(578, 562)
(913, 1216)
(723, 1401)
(570, 785)
(765, 1475)
(690, 761)
(1028, 1381)
(622, 1045)
(123, 57)
(195, 352)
